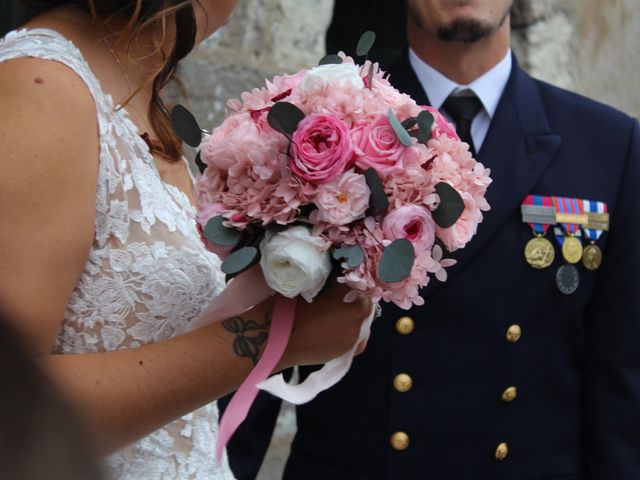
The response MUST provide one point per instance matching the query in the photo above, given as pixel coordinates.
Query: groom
(507, 372)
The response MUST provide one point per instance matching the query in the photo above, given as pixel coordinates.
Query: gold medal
(592, 257)
(539, 252)
(572, 249)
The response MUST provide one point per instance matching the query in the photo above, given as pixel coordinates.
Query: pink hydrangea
(458, 235)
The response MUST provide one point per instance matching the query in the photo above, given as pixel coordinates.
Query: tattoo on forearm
(250, 335)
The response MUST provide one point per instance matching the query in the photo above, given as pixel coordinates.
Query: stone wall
(589, 46)
(263, 38)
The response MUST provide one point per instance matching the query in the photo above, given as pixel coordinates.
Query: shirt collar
(488, 87)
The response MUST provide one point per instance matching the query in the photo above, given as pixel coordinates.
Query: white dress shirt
(488, 88)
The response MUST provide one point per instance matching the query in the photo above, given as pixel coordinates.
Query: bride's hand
(326, 328)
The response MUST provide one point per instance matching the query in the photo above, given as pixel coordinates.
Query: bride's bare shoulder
(49, 154)
(41, 79)
(48, 101)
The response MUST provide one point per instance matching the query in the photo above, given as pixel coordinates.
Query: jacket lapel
(518, 149)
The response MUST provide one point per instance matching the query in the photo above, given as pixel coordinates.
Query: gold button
(402, 382)
(405, 325)
(510, 394)
(502, 451)
(514, 333)
(399, 440)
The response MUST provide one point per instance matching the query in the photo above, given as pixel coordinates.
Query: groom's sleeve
(613, 337)
(249, 444)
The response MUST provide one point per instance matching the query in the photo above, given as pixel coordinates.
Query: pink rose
(377, 146)
(321, 148)
(413, 223)
(342, 200)
(440, 124)
(459, 234)
(229, 143)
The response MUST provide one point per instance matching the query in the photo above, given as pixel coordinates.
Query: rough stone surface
(263, 38)
(589, 46)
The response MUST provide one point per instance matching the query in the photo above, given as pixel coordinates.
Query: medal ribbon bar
(539, 213)
(570, 214)
(598, 219)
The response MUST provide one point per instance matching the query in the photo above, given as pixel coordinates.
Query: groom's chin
(465, 31)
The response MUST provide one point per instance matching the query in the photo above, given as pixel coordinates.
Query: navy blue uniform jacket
(576, 365)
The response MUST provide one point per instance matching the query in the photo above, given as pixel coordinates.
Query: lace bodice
(148, 275)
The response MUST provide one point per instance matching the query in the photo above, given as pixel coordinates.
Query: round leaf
(240, 260)
(409, 123)
(353, 255)
(200, 164)
(217, 233)
(450, 208)
(378, 199)
(425, 121)
(285, 117)
(397, 261)
(401, 133)
(365, 43)
(330, 59)
(186, 126)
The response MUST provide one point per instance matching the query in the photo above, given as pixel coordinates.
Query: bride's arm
(48, 161)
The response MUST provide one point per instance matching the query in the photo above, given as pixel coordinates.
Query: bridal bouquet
(333, 169)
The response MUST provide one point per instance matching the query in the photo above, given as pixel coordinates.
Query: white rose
(341, 73)
(294, 262)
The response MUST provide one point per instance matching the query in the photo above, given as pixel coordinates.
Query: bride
(101, 264)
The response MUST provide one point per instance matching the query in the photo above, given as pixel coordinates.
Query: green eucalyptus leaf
(353, 255)
(200, 164)
(217, 233)
(330, 59)
(186, 126)
(365, 43)
(240, 260)
(370, 77)
(401, 133)
(425, 122)
(397, 261)
(450, 208)
(285, 117)
(378, 199)
(409, 123)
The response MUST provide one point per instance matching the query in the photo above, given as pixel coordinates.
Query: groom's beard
(468, 30)
(464, 31)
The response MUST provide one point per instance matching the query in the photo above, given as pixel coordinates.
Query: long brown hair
(144, 15)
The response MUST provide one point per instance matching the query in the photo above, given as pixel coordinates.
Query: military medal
(592, 257)
(598, 221)
(567, 279)
(539, 252)
(538, 212)
(570, 214)
(572, 249)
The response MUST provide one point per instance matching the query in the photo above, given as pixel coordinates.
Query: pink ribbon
(281, 324)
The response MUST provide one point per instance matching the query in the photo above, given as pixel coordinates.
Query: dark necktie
(462, 109)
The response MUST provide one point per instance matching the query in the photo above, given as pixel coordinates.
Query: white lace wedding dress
(148, 275)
